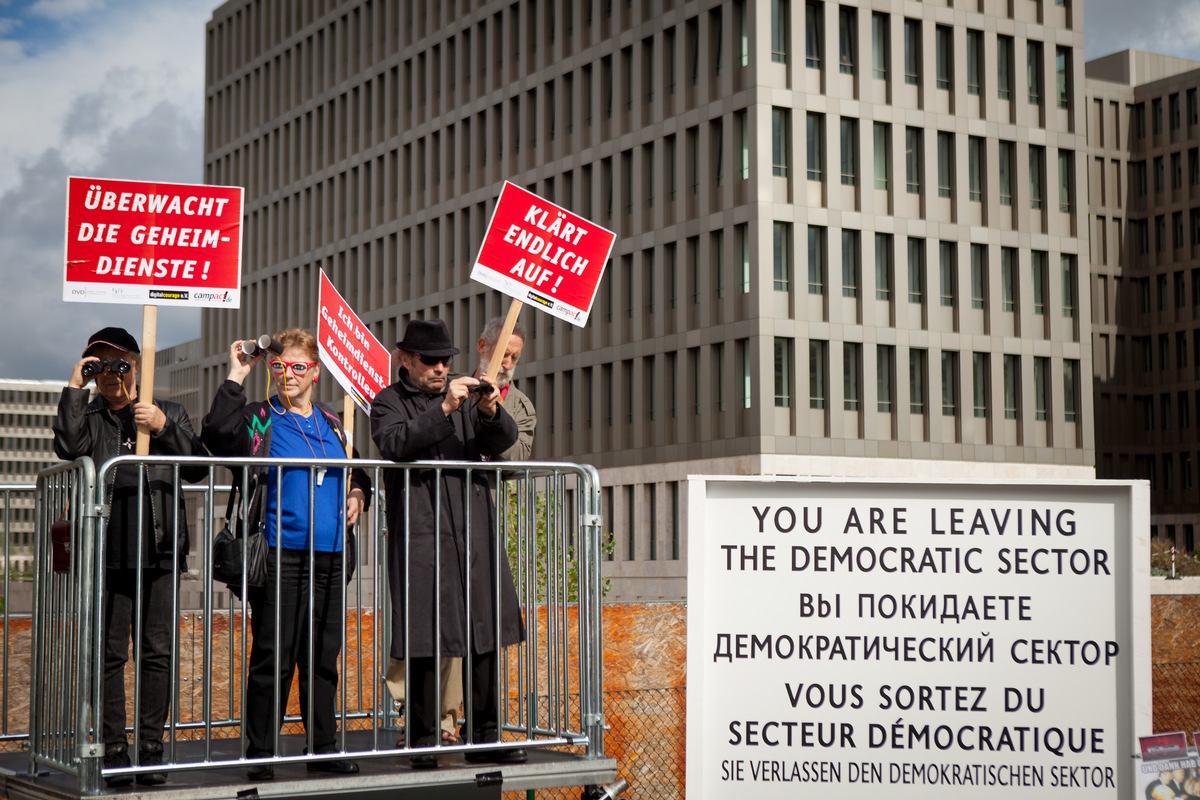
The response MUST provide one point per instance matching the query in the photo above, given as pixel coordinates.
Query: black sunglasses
(433, 361)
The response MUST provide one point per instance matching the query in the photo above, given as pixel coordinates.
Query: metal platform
(382, 775)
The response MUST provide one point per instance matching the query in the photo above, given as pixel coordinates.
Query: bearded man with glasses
(442, 539)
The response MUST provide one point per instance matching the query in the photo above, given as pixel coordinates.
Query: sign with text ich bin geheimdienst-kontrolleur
(348, 349)
(163, 244)
(543, 255)
(868, 639)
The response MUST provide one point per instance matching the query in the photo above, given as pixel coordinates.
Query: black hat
(113, 337)
(427, 337)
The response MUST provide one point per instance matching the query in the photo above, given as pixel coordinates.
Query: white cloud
(1158, 26)
(117, 94)
(62, 9)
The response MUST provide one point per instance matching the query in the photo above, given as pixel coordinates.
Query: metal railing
(546, 514)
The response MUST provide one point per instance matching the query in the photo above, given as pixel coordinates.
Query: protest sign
(539, 253)
(865, 639)
(167, 244)
(348, 349)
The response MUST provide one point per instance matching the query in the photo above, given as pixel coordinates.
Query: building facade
(1144, 196)
(27, 411)
(851, 237)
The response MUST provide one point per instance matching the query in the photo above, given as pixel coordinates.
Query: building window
(1071, 390)
(744, 145)
(1177, 170)
(783, 372)
(980, 383)
(1173, 111)
(912, 51)
(849, 151)
(851, 263)
(912, 160)
(818, 374)
(781, 248)
(943, 41)
(1033, 68)
(918, 380)
(1041, 387)
(884, 266)
(817, 263)
(1037, 274)
(1008, 278)
(1007, 153)
(780, 24)
(916, 270)
(815, 147)
(885, 377)
(1004, 67)
(1156, 116)
(1062, 75)
(880, 44)
(948, 272)
(847, 39)
(1012, 385)
(976, 161)
(974, 62)
(1037, 175)
(741, 238)
(945, 157)
(1066, 181)
(1069, 283)
(949, 383)
(851, 376)
(747, 361)
(814, 33)
(979, 276)
(780, 139)
(883, 154)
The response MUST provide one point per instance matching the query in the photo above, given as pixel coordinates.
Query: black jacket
(409, 425)
(91, 429)
(237, 429)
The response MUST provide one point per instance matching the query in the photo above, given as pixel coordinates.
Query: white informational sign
(867, 639)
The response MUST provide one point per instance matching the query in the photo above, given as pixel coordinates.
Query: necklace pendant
(320, 476)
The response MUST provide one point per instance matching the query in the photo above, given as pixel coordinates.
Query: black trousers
(288, 616)
(152, 648)
(482, 706)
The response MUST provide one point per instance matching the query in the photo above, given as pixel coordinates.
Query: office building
(851, 237)
(1144, 186)
(27, 411)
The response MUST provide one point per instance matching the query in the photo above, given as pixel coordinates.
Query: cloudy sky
(115, 88)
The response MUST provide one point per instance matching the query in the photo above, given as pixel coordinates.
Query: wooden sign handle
(146, 374)
(501, 345)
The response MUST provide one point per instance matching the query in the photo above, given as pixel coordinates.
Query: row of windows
(853, 391)
(1174, 115)
(818, 50)
(647, 520)
(946, 145)
(1012, 277)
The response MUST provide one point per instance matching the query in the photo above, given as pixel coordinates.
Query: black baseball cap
(119, 338)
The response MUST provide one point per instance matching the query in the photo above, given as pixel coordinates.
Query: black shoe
(115, 757)
(151, 755)
(423, 761)
(505, 755)
(340, 766)
(261, 772)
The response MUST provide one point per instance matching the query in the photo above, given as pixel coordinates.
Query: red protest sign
(153, 243)
(359, 361)
(540, 253)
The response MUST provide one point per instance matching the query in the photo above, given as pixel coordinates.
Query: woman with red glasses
(292, 425)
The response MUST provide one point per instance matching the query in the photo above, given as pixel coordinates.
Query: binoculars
(253, 347)
(120, 366)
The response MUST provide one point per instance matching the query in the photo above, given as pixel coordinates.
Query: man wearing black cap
(103, 429)
(426, 415)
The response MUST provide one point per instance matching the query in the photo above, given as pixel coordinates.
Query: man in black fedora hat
(427, 415)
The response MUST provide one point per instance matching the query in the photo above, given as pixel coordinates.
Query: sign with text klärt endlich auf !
(543, 255)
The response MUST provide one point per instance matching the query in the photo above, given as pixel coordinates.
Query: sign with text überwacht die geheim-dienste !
(866, 639)
(162, 244)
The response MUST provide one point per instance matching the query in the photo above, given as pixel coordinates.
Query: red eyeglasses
(298, 368)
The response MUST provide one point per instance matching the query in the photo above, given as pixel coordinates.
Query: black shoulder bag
(233, 550)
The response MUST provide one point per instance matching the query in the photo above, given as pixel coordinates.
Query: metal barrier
(550, 685)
